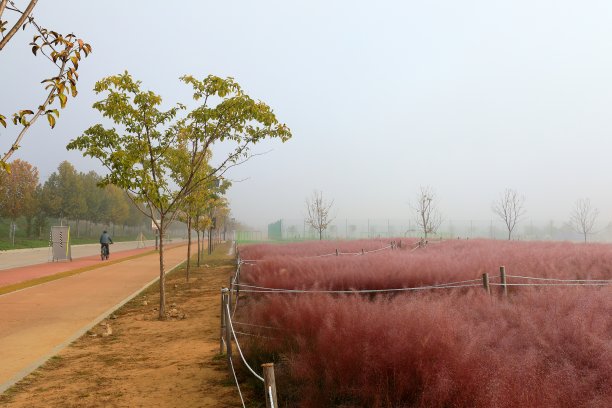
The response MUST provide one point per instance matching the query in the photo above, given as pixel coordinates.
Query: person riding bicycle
(105, 239)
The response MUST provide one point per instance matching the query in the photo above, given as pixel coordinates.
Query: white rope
(248, 261)
(235, 305)
(238, 345)
(560, 280)
(257, 325)
(550, 284)
(255, 335)
(237, 385)
(275, 290)
(376, 250)
(458, 282)
(270, 394)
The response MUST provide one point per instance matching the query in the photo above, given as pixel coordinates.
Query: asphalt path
(33, 256)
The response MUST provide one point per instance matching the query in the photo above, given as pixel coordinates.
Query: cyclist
(105, 240)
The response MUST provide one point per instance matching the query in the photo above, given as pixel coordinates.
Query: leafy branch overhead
(64, 52)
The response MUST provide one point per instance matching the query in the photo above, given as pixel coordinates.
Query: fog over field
(468, 97)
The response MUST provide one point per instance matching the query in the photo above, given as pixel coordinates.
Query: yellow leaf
(63, 99)
(51, 120)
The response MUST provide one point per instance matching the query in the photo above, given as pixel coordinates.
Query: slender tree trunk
(585, 237)
(188, 247)
(209, 241)
(162, 276)
(199, 247)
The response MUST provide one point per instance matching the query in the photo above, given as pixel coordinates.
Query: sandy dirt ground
(132, 359)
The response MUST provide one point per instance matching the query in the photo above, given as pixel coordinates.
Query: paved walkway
(37, 322)
(31, 256)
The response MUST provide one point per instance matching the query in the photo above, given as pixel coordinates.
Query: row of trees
(67, 195)
(509, 207)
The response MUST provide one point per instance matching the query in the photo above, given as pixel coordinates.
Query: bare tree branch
(428, 217)
(318, 212)
(583, 217)
(510, 209)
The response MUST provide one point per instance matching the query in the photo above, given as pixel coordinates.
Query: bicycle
(104, 251)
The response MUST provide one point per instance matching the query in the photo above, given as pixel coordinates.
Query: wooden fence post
(269, 385)
(336, 251)
(229, 293)
(502, 273)
(361, 251)
(228, 329)
(223, 290)
(485, 283)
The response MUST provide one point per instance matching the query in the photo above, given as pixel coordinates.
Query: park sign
(60, 243)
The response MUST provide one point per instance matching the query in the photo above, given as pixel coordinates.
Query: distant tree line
(68, 196)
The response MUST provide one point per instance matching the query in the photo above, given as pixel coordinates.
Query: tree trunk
(199, 247)
(162, 276)
(585, 237)
(209, 241)
(188, 247)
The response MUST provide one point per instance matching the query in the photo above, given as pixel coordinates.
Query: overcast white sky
(469, 97)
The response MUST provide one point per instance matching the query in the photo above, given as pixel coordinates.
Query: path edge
(42, 360)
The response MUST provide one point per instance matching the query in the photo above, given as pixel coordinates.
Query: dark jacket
(105, 238)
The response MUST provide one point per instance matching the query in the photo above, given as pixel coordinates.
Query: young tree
(428, 217)
(509, 207)
(63, 52)
(318, 212)
(583, 217)
(18, 192)
(140, 158)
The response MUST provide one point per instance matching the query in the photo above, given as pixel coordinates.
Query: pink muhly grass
(540, 347)
(437, 263)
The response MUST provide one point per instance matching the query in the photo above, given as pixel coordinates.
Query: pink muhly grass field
(288, 266)
(541, 347)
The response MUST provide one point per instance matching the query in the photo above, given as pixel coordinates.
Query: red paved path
(26, 273)
(37, 322)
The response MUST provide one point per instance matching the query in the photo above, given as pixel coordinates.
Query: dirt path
(144, 362)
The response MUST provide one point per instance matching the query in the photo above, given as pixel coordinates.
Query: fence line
(257, 325)
(559, 280)
(237, 383)
(337, 253)
(551, 284)
(229, 320)
(316, 291)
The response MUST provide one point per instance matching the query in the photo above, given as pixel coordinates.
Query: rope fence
(229, 337)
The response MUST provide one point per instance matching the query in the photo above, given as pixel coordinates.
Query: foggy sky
(468, 97)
